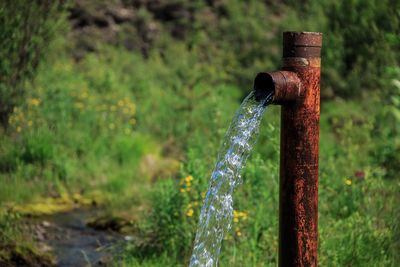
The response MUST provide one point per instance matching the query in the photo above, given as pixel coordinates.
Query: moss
(66, 202)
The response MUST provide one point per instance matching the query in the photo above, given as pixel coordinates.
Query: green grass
(90, 126)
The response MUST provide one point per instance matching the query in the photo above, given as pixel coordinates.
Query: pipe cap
(302, 44)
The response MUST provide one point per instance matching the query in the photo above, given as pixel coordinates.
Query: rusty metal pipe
(286, 85)
(297, 89)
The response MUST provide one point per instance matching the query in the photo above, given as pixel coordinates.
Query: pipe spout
(285, 86)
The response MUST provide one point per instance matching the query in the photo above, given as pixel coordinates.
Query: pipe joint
(286, 86)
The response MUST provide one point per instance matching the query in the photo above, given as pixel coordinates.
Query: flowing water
(216, 213)
(73, 241)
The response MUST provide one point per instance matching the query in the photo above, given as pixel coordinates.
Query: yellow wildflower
(235, 216)
(348, 182)
(182, 190)
(227, 237)
(239, 215)
(33, 102)
(19, 129)
(237, 230)
(243, 215)
(189, 178)
(189, 213)
(30, 123)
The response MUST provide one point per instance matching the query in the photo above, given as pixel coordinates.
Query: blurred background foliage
(132, 98)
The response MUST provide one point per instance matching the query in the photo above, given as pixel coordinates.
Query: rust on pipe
(297, 89)
(286, 85)
(298, 215)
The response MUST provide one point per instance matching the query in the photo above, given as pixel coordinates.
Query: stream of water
(217, 210)
(72, 241)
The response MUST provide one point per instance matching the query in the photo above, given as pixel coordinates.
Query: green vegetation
(138, 119)
(25, 29)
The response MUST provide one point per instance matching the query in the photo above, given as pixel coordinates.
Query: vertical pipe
(298, 215)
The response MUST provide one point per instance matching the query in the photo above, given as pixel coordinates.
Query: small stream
(72, 241)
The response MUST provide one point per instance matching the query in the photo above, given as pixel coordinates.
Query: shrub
(170, 225)
(26, 30)
(360, 40)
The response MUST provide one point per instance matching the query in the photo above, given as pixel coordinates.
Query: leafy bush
(37, 148)
(170, 221)
(387, 154)
(359, 41)
(26, 30)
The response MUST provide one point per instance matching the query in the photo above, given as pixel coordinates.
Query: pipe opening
(264, 87)
(279, 87)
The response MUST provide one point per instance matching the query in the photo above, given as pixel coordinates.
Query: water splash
(216, 213)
